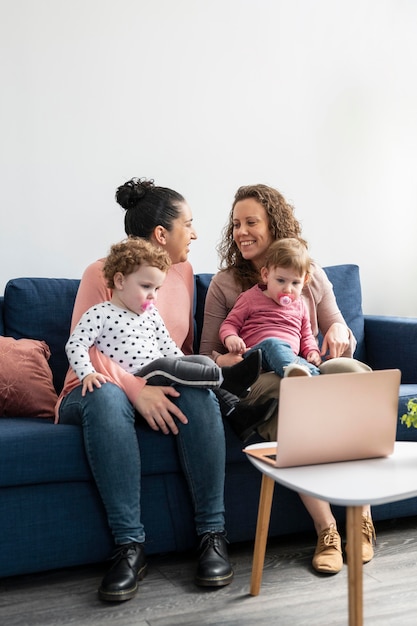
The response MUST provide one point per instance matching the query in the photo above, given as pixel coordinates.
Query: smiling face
(137, 291)
(177, 240)
(251, 230)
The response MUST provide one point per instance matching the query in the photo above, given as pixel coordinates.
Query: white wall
(315, 97)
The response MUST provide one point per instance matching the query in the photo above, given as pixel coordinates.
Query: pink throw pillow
(26, 386)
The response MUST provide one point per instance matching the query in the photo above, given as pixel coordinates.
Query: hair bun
(129, 194)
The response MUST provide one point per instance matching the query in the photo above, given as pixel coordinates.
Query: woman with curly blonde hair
(259, 216)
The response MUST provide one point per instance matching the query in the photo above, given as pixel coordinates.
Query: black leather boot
(214, 569)
(121, 581)
(246, 418)
(238, 378)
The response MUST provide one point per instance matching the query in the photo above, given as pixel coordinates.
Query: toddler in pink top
(272, 316)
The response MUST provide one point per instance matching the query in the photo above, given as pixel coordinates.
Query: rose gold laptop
(337, 417)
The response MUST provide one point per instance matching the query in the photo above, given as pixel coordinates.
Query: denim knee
(107, 403)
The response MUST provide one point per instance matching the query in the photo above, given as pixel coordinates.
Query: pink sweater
(175, 304)
(256, 317)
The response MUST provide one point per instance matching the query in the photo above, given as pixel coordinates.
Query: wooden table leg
(354, 561)
(262, 526)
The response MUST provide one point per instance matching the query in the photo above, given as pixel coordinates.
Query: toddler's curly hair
(129, 254)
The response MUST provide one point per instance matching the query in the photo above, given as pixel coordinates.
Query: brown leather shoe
(368, 539)
(328, 557)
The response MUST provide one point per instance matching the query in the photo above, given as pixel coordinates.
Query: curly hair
(131, 253)
(282, 224)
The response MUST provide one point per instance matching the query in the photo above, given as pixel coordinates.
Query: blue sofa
(50, 513)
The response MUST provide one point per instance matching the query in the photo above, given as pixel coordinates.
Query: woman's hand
(158, 410)
(336, 341)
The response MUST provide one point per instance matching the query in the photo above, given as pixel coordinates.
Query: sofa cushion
(41, 308)
(26, 387)
(49, 452)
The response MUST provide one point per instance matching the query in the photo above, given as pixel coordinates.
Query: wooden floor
(292, 594)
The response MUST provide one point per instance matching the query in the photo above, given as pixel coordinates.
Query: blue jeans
(277, 354)
(113, 452)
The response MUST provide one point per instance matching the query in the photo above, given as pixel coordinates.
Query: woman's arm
(175, 305)
(221, 297)
(233, 324)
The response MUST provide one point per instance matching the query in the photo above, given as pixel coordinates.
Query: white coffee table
(351, 484)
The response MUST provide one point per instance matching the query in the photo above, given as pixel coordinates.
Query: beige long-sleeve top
(223, 292)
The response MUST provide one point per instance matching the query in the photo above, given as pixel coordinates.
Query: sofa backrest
(41, 308)
(347, 288)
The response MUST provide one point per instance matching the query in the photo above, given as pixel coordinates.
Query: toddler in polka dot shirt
(130, 331)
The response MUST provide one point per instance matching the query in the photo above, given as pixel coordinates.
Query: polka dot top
(129, 339)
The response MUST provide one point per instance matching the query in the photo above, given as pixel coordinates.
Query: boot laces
(124, 550)
(212, 540)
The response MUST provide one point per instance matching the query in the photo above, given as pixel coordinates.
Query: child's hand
(92, 380)
(235, 344)
(314, 358)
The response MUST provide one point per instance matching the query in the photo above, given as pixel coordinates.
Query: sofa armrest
(391, 342)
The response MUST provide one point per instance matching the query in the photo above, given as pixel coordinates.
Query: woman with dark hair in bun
(107, 416)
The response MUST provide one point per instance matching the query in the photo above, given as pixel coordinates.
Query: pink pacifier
(147, 306)
(285, 300)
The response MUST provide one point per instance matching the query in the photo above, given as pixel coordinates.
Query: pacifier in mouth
(147, 306)
(285, 299)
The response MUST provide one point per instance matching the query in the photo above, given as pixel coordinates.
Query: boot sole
(219, 581)
(127, 594)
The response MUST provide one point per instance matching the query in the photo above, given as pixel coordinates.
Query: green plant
(410, 418)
